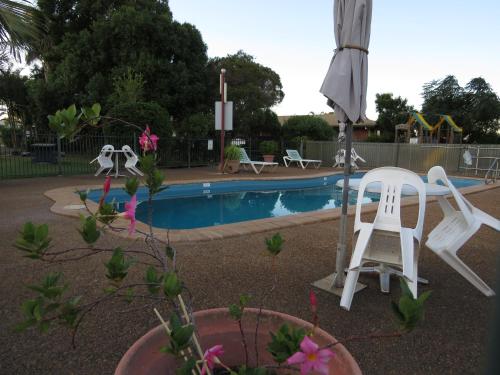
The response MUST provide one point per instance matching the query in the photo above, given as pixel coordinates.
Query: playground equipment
(445, 129)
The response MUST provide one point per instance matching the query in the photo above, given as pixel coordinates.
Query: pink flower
(211, 357)
(311, 358)
(105, 189)
(148, 141)
(313, 301)
(107, 185)
(130, 213)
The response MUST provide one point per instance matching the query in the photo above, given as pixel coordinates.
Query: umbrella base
(326, 284)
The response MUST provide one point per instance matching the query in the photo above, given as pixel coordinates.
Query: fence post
(301, 147)
(397, 155)
(59, 165)
(189, 152)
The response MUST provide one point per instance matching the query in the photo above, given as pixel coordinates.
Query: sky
(412, 42)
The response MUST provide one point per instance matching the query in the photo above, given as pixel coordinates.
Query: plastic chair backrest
(129, 154)
(294, 154)
(107, 151)
(436, 174)
(388, 215)
(244, 156)
(467, 158)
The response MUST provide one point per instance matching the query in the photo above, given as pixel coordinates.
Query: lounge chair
(294, 156)
(340, 158)
(386, 242)
(132, 160)
(456, 228)
(104, 159)
(257, 166)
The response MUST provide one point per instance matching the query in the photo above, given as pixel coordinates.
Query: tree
(14, 96)
(310, 127)
(18, 24)
(391, 112)
(95, 43)
(252, 88)
(476, 108)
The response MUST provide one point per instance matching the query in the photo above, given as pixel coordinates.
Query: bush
(196, 125)
(312, 127)
(268, 147)
(232, 152)
(141, 114)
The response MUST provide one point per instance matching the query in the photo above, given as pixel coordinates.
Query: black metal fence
(41, 155)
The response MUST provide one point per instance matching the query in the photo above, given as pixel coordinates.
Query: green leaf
(285, 342)
(153, 280)
(96, 108)
(132, 185)
(83, 195)
(170, 252)
(34, 240)
(89, 231)
(182, 336)
(107, 213)
(274, 244)
(172, 286)
(187, 367)
(129, 295)
(235, 311)
(118, 266)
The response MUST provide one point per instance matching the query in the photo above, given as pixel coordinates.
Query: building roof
(331, 119)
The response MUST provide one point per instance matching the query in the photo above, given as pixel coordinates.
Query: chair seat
(259, 162)
(451, 233)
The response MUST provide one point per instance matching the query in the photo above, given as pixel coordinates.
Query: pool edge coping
(67, 196)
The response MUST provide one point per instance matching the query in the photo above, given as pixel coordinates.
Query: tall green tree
(252, 87)
(310, 127)
(391, 112)
(14, 97)
(475, 107)
(94, 43)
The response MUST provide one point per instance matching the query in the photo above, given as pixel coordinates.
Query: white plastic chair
(467, 158)
(456, 228)
(385, 242)
(294, 156)
(340, 158)
(104, 159)
(132, 160)
(257, 166)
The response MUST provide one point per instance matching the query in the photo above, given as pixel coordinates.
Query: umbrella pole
(334, 283)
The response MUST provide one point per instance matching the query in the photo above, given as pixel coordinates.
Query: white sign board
(228, 116)
(210, 145)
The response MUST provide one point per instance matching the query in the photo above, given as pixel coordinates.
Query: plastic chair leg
(349, 289)
(99, 171)
(385, 281)
(467, 273)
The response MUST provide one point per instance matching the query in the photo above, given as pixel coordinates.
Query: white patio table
(374, 187)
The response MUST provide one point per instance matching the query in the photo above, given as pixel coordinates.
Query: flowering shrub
(289, 346)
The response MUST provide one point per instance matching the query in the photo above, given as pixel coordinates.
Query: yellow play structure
(441, 132)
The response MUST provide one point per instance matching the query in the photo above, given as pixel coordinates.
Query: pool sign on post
(220, 116)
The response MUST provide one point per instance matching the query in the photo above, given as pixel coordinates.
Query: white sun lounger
(257, 166)
(294, 156)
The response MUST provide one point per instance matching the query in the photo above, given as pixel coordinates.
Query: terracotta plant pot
(268, 158)
(232, 166)
(215, 326)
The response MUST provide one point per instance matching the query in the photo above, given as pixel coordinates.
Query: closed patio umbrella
(345, 88)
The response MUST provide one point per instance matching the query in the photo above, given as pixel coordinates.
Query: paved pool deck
(453, 338)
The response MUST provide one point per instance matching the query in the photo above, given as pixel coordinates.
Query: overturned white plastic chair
(104, 159)
(385, 242)
(257, 166)
(293, 156)
(340, 158)
(456, 228)
(132, 160)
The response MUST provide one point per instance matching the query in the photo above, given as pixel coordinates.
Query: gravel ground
(452, 339)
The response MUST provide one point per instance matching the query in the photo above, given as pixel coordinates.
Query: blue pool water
(200, 205)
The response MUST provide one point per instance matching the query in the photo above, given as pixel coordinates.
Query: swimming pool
(198, 205)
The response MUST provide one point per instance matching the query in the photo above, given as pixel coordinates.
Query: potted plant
(239, 339)
(232, 154)
(268, 150)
